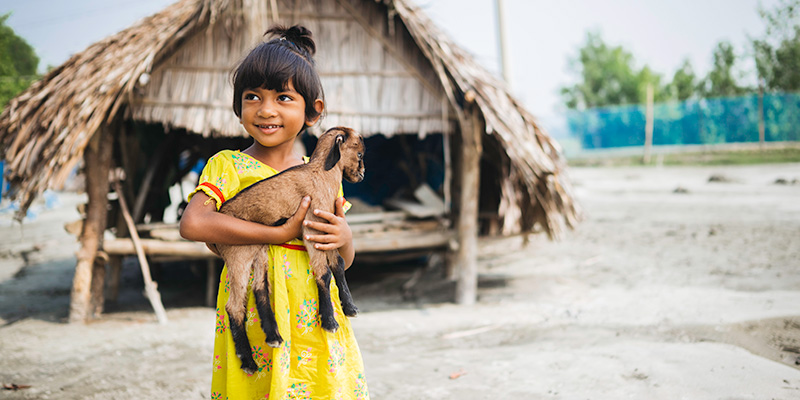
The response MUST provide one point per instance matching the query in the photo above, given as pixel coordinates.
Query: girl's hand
(294, 225)
(337, 233)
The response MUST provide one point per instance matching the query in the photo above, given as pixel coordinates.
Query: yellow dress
(311, 363)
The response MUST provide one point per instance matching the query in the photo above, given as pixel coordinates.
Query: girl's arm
(202, 223)
(337, 233)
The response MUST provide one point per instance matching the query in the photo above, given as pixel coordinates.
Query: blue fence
(703, 121)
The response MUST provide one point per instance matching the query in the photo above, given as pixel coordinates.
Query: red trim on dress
(292, 246)
(215, 190)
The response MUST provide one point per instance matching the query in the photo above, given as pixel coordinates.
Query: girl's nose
(266, 110)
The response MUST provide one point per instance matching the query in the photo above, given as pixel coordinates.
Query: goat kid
(272, 201)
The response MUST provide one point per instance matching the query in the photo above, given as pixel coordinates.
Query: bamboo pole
(97, 162)
(150, 287)
(466, 257)
(648, 126)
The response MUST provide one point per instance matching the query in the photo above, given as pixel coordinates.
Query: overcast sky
(543, 34)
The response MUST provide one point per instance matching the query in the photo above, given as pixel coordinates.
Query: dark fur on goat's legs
(348, 306)
(237, 316)
(327, 320)
(261, 295)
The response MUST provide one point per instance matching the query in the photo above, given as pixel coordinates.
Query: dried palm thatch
(536, 159)
(44, 131)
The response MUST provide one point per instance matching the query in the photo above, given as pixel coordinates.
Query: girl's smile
(273, 118)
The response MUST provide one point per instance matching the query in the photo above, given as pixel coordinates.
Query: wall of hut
(376, 79)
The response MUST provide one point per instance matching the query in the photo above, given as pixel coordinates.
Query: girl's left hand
(337, 232)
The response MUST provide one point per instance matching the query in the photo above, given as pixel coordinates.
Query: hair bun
(298, 34)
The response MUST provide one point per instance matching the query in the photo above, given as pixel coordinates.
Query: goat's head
(347, 150)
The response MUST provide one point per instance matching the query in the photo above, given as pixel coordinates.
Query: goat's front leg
(261, 294)
(348, 307)
(237, 314)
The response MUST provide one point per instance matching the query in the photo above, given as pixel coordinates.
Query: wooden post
(150, 287)
(648, 125)
(115, 271)
(466, 257)
(212, 282)
(98, 283)
(761, 133)
(97, 162)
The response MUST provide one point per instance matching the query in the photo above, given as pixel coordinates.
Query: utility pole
(502, 38)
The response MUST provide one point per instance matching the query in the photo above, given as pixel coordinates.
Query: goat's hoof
(350, 310)
(330, 326)
(249, 367)
(274, 342)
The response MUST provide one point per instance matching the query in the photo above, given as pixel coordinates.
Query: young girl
(277, 94)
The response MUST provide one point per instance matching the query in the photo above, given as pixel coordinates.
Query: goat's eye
(360, 156)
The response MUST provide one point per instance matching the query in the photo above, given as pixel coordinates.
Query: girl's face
(272, 117)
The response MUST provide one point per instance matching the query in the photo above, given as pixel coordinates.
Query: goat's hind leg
(261, 293)
(319, 264)
(348, 307)
(327, 320)
(237, 311)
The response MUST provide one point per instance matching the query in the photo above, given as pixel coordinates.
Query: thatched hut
(129, 101)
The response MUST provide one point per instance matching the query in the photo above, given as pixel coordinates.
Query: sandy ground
(656, 295)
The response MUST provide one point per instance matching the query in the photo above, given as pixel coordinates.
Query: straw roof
(45, 129)
(166, 69)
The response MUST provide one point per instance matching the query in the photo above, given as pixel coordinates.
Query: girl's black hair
(270, 65)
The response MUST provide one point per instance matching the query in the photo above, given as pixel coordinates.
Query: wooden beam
(466, 256)
(153, 247)
(374, 242)
(97, 163)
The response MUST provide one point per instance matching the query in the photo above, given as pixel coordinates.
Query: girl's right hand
(294, 225)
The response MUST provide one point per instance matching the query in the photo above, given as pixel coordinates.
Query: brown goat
(272, 201)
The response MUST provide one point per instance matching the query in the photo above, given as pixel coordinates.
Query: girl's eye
(251, 96)
(284, 97)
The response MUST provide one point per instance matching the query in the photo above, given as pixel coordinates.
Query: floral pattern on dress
(227, 287)
(216, 396)
(263, 360)
(221, 321)
(298, 391)
(252, 316)
(336, 359)
(283, 358)
(287, 266)
(307, 316)
(304, 357)
(361, 388)
(221, 181)
(217, 363)
(244, 163)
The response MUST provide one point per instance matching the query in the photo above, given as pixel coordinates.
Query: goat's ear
(335, 153)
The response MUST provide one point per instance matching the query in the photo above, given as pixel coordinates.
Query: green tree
(777, 54)
(607, 76)
(721, 80)
(18, 63)
(684, 83)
